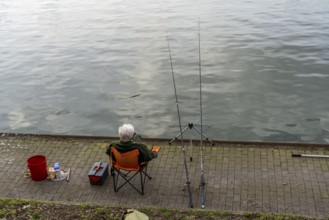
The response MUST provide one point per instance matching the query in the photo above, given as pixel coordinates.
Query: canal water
(86, 67)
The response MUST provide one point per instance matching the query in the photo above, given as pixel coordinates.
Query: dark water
(85, 67)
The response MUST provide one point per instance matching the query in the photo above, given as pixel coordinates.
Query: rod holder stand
(191, 126)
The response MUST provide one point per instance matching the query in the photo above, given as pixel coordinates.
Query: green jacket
(145, 153)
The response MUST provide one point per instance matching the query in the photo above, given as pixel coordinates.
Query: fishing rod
(202, 183)
(180, 127)
(310, 155)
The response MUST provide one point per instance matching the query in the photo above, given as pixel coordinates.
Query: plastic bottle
(57, 170)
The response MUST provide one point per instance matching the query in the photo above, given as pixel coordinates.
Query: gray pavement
(239, 177)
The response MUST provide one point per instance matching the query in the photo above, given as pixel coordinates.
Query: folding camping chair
(126, 165)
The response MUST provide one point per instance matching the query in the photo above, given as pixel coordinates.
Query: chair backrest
(126, 161)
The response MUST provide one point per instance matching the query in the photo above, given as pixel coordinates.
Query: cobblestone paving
(238, 177)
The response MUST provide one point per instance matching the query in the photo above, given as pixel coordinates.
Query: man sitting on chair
(126, 134)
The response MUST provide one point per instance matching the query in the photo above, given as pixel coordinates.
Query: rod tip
(296, 155)
(202, 206)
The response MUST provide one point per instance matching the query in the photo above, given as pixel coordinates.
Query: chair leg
(126, 179)
(142, 183)
(145, 173)
(117, 173)
(143, 180)
(115, 182)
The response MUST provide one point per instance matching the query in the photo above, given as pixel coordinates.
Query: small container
(38, 167)
(57, 170)
(56, 166)
(98, 173)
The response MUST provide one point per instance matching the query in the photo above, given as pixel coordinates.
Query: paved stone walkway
(238, 177)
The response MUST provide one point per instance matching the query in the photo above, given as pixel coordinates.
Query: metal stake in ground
(181, 132)
(202, 183)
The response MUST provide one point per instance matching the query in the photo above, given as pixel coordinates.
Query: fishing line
(160, 130)
(202, 184)
(181, 131)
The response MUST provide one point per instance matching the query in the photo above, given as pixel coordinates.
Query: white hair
(126, 132)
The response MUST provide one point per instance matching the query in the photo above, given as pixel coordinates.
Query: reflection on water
(80, 67)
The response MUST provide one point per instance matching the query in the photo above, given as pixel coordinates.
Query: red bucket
(38, 167)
